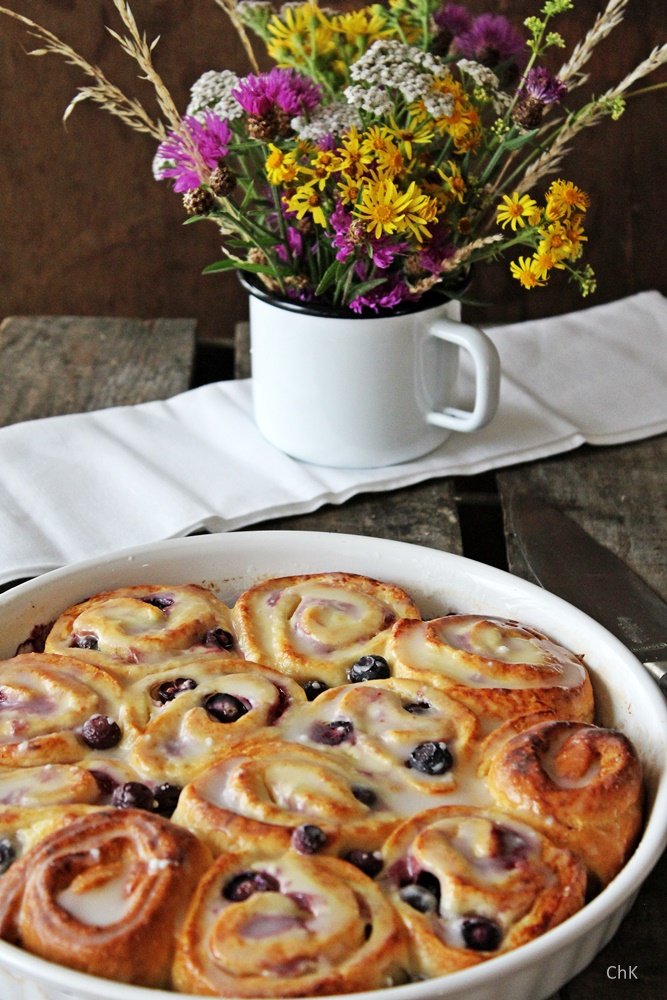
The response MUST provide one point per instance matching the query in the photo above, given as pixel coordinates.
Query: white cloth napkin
(82, 485)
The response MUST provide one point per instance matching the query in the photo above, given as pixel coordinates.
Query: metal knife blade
(567, 561)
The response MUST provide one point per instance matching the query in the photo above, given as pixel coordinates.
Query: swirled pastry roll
(315, 627)
(268, 792)
(48, 707)
(105, 895)
(399, 725)
(496, 667)
(470, 884)
(581, 784)
(130, 629)
(185, 716)
(289, 927)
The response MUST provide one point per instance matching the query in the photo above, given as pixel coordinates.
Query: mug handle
(487, 376)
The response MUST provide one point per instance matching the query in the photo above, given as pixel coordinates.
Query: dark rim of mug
(428, 301)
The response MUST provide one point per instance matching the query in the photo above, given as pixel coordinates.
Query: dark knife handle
(658, 671)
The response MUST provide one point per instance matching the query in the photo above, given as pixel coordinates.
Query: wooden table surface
(68, 364)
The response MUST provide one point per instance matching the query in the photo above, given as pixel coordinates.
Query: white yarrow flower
(329, 119)
(213, 92)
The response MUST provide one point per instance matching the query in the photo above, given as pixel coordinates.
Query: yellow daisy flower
(354, 159)
(307, 199)
(349, 189)
(385, 209)
(322, 166)
(298, 32)
(453, 180)
(575, 235)
(376, 139)
(281, 167)
(418, 130)
(563, 198)
(526, 270)
(554, 240)
(515, 210)
(545, 260)
(368, 23)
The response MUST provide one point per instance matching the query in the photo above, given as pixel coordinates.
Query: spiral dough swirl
(288, 927)
(471, 883)
(105, 895)
(315, 626)
(581, 784)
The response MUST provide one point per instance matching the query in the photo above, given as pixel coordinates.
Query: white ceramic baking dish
(439, 582)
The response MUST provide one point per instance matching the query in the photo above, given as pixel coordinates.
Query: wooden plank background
(84, 228)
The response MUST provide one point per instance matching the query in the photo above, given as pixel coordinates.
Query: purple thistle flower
(341, 220)
(492, 40)
(386, 296)
(200, 147)
(294, 247)
(542, 86)
(384, 252)
(286, 89)
(453, 18)
(439, 249)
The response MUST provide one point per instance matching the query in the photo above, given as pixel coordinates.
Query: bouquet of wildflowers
(388, 150)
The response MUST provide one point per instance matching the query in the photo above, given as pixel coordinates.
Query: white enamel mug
(352, 392)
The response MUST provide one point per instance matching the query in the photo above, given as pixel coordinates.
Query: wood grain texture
(424, 514)
(69, 364)
(617, 494)
(84, 228)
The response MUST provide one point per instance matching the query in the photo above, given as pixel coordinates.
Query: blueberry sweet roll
(317, 627)
(277, 794)
(131, 629)
(185, 716)
(581, 784)
(497, 667)
(415, 731)
(288, 927)
(470, 884)
(105, 895)
(50, 707)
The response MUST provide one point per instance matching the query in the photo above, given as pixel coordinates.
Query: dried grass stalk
(102, 91)
(571, 72)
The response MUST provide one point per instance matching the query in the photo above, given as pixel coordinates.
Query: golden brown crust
(315, 626)
(471, 883)
(317, 926)
(497, 667)
(132, 872)
(579, 783)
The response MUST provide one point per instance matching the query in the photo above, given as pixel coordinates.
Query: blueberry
(431, 758)
(308, 839)
(419, 898)
(100, 732)
(368, 668)
(133, 795)
(84, 642)
(365, 795)
(513, 847)
(220, 638)
(224, 707)
(161, 601)
(168, 690)
(166, 798)
(480, 933)
(247, 884)
(417, 707)
(331, 733)
(313, 688)
(7, 854)
(368, 862)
